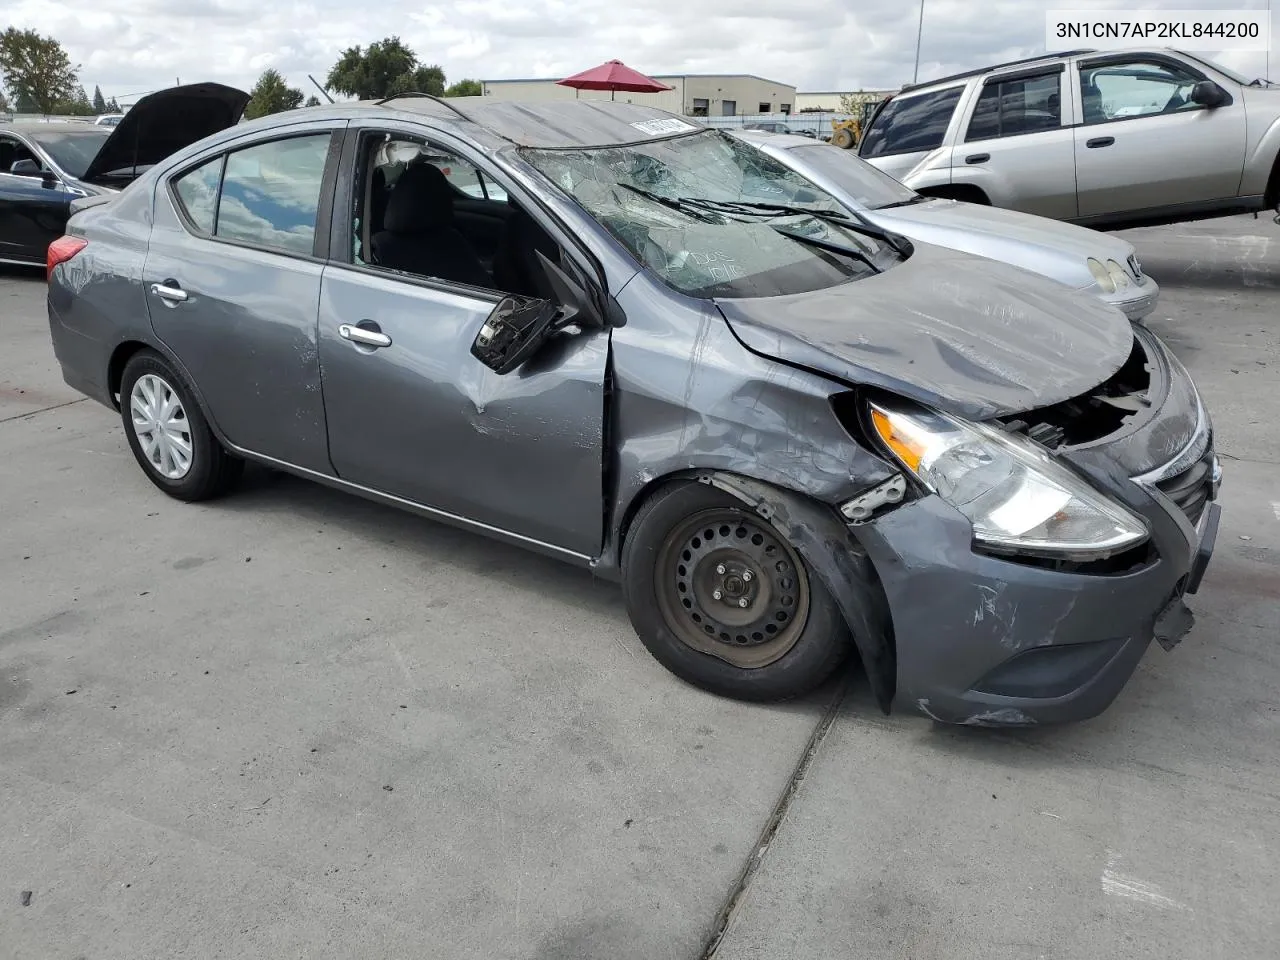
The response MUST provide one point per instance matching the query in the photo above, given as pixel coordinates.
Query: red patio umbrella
(613, 75)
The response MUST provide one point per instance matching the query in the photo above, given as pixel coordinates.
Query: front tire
(168, 433)
(723, 601)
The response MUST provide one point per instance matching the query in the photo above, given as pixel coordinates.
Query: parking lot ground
(293, 723)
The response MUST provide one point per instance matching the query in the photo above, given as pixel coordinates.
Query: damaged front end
(1027, 591)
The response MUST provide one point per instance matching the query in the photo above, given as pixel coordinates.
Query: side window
(423, 211)
(271, 193)
(1121, 91)
(911, 124)
(197, 192)
(1007, 108)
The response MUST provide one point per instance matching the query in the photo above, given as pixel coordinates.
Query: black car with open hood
(44, 167)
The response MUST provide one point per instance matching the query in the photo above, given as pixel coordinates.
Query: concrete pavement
(293, 723)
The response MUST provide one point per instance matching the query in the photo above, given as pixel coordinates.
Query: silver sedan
(1087, 260)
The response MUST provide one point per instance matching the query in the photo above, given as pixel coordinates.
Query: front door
(33, 209)
(232, 281)
(1142, 144)
(418, 417)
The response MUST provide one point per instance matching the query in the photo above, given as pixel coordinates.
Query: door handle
(367, 338)
(1099, 142)
(165, 291)
(977, 158)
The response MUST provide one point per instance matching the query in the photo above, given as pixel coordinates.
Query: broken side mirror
(513, 333)
(518, 326)
(1209, 94)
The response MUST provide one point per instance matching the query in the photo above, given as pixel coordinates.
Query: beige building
(695, 95)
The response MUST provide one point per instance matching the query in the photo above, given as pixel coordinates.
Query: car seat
(418, 234)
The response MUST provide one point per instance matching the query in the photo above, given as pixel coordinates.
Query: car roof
(35, 127)
(783, 141)
(548, 124)
(1040, 58)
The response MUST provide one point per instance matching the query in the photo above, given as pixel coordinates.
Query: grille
(1190, 488)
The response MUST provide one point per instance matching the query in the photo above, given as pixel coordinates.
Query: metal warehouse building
(694, 95)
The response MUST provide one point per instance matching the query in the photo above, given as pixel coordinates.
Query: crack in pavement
(32, 413)
(755, 859)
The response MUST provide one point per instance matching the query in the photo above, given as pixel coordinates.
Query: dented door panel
(422, 419)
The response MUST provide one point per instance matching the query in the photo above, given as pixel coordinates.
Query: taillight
(62, 250)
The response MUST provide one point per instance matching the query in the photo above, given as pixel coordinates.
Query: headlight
(1118, 275)
(1018, 498)
(1100, 274)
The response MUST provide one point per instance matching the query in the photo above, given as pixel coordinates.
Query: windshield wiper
(917, 198)
(830, 247)
(857, 222)
(681, 205)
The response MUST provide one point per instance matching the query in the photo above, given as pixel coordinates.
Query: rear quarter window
(911, 124)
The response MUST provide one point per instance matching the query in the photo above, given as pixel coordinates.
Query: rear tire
(723, 601)
(168, 433)
(843, 138)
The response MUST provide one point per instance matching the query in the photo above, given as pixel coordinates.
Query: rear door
(1017, 145)
(413, 414)
(908, 128)
(1143, 145)
(232, 281)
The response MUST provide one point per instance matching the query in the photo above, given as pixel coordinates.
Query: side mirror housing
(513, 333)
(25, 168)
(1209, 94)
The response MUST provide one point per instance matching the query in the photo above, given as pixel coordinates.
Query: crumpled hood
(969, 336)
(165, 122)
(1034, 243)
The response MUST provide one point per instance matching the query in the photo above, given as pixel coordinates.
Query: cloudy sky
(132, 46)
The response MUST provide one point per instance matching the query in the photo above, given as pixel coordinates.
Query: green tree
(112, 106)
(465, 88)
(271, 95)
(36, 69)
(385, 68)
(312, 101)
(76, 105)
(4, 104)
(99, 103)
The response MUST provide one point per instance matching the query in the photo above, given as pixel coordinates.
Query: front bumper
(988, 641)
(1135, 302)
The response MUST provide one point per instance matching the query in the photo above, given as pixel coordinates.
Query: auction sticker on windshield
(662, 126)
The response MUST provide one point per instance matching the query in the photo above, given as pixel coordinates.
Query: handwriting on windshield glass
(718, 265)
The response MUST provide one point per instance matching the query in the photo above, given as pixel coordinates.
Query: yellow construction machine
(847, 134)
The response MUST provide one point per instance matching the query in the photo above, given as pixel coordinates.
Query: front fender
(837, 559)
(1260, 162)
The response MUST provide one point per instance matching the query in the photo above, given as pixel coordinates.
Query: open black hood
(165, 122)
(963, 334)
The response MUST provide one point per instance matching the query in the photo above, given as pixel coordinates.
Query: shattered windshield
(715, 217)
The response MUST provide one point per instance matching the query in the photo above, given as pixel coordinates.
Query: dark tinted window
(197, 191)
(271, 192)
(910, 124)
(1011, 107)
(73, 151)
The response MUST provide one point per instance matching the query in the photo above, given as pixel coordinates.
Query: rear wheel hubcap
(730, 587)
(161, 426)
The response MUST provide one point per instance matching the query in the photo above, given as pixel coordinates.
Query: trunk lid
(963, 334)
(163, 123)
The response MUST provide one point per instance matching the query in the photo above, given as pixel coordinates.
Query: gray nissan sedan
(790, 434)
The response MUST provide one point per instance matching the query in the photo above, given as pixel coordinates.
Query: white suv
(1149, 135)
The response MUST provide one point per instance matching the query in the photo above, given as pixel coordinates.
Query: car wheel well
(957, 191)
(873, 585)
(115, 367)
(1271, 199)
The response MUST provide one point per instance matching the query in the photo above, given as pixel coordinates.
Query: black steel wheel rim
(728, 585)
